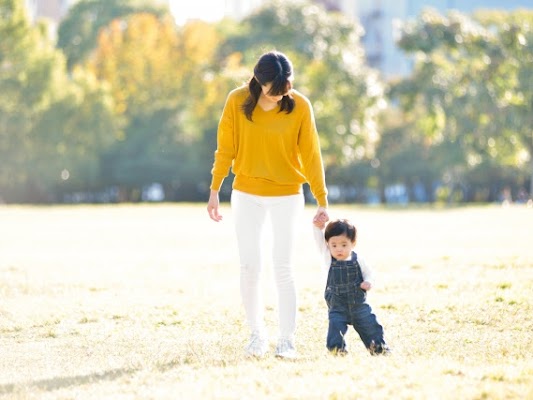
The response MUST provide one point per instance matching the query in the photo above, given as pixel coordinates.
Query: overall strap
(344, 272)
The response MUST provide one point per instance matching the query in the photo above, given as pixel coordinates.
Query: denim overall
(347, 306)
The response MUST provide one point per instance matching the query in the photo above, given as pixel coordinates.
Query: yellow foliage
(200, 41)
(148, 62)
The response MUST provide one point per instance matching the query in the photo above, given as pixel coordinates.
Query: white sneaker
(285, 349)
(258, 345)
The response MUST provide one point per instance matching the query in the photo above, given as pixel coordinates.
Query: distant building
(381, 20)
(53, 10)
(239, 9)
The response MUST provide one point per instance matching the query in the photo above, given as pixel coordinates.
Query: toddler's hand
(366, 285)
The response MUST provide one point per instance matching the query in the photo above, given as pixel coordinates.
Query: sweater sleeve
(225, 152)
(309, 146)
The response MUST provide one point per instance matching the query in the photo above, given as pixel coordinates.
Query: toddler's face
(340, 247)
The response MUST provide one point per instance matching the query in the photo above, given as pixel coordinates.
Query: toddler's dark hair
(340, 227)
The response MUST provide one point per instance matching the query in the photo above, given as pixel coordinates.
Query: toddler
(349, 278)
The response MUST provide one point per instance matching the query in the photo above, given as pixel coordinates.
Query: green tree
(48, 121)
(76, 130)
(473, 78)
(13, 31)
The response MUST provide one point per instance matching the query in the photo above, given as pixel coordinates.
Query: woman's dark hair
(340, 227)
(272, 67)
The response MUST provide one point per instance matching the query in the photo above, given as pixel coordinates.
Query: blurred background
(118, 101)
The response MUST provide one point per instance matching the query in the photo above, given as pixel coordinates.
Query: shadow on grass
(78, 380)
(63, 382)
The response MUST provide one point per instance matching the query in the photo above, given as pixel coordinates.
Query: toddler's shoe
(339, 352)
(379, 349)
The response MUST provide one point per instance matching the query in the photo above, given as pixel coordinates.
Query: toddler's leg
(336, 331)
(369, 329)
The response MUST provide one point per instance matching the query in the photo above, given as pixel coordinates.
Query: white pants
(250, 213)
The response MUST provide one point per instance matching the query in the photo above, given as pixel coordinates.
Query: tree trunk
(531, 168)
(531, 177)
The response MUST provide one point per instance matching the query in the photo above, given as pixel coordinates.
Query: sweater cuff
(322, 201)
(216, 182)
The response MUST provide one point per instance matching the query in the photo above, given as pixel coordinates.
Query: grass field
(142, 302)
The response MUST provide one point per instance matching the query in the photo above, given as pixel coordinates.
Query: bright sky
(207, 10)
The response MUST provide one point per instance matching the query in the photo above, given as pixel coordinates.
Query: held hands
(321, 217)
(319, 224)
(213, 205)
(365, 285)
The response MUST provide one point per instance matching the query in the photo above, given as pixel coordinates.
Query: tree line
(124, 105)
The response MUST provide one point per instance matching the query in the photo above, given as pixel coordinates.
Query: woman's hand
(213, 205)
(365, 285)
(321, 217)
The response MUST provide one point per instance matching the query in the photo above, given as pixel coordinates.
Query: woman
(267, 134)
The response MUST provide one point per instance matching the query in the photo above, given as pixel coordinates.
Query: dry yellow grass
(142, 302)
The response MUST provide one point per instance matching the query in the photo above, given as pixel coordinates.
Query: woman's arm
(225, 152)
(309, 147)
(224, 155)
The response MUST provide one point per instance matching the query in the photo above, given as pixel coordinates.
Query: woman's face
(274, 99)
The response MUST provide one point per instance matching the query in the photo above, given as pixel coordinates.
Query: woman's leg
(249, 215)
(285, 213)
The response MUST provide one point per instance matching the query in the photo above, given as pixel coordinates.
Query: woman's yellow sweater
(274, 154)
